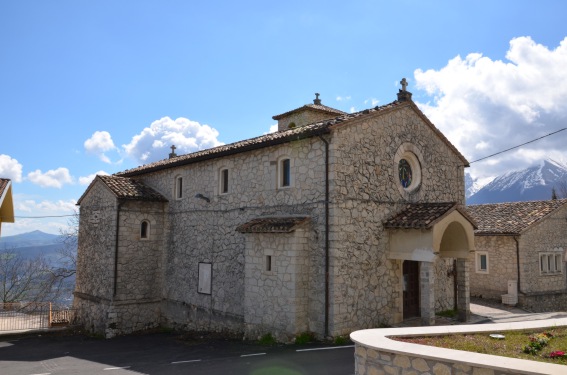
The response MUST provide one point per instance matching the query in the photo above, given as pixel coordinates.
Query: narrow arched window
(224, 181)
(144, 230)
(178, 190)
(284, 173)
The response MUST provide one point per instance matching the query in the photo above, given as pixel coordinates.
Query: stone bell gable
(306, 114)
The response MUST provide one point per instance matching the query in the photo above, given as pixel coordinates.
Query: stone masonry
(155, 281)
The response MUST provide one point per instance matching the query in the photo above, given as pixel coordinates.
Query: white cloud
(99, 143)
(46, 216)
(352, 109)
(154, 142)
(484, 106)
(343, 98)
(86, 180)
(372, 101)
(53, 178)
(10, 168)
(273, 128)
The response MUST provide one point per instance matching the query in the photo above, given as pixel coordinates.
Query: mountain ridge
(533, 183)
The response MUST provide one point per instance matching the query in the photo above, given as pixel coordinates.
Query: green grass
(267, 340)
(511, 346)
(305, 338)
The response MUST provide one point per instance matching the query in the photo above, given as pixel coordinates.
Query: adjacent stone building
(521, 249)
(335, 222)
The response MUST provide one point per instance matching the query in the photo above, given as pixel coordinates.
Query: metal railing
(19, 316)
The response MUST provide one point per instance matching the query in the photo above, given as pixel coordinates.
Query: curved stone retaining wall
(377, 354)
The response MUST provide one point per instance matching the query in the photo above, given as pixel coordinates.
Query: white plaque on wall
(205, 277)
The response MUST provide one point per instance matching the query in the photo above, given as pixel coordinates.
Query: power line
(523, 144)
(40, 217)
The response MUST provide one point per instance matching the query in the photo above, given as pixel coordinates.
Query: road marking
(193, 360)
(116, 368)
(252, 355)
(327, 348)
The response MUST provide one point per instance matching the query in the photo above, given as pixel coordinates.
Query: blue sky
(101, 86)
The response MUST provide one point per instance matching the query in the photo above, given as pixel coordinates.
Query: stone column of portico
(427, 293)
(463, 290)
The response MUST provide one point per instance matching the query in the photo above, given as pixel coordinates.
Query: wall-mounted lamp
(201, 196)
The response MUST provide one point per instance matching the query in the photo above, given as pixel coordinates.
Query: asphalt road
(166, 353)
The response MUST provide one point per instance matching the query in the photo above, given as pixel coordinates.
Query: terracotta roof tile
(422, 215)
(272, 225)
(127, 188)
(271, 139)
(317, 128)
(511, 218)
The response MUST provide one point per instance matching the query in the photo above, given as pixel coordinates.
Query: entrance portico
(420, 235)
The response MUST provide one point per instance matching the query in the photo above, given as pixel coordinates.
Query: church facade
(336, 222)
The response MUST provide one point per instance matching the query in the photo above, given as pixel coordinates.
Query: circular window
(407, 160)
(404, 173)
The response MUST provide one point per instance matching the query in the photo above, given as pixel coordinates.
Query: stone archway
(425, 232)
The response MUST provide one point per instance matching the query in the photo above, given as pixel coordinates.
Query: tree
(553, 193)
(23, 279)
(35, 279)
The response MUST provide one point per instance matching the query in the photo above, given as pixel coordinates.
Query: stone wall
(369, 361)
(546, 236)
(200, 231)
(97, 243)
(501, 266)
(139, 275)
(367, 286)
(276, 298)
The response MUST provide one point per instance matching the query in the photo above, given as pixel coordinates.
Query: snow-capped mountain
(472, 185)
(533, 183)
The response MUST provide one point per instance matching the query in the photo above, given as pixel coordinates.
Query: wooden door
(411, 288)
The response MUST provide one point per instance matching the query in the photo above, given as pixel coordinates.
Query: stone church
(334, 223)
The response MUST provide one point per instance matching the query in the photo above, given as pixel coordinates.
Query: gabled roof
(126, 188)
(6, 202)
(285, 136)
(511, 218)
(316, 107)
(272, 224)
(424, 215)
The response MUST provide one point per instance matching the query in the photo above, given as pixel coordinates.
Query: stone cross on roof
(403, 94)
(317, 100)
(404, 83)
(172, 154)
